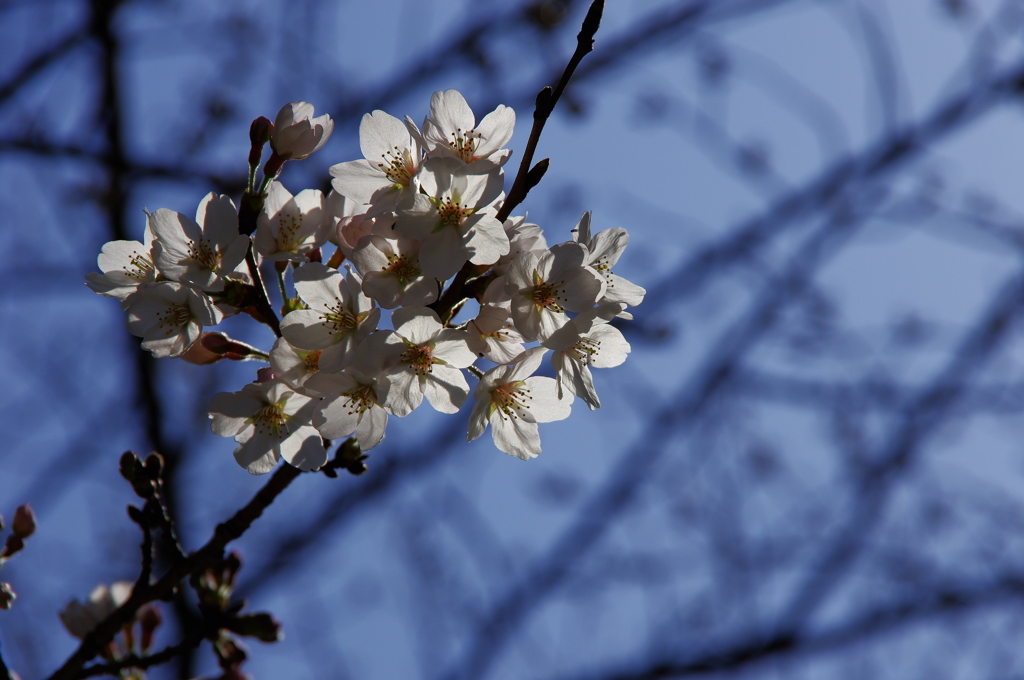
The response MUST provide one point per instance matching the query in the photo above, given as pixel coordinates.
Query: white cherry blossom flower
(297, 133)
(604, 250)
(294, 365)
(391, 272)
(453, 218)
(422, 358)
(269, 421)
(199, 255)
(81, 617)
(522, 236)
(125, 265)
(513, 401)
(594, 343)
(169, 317)
(393, 150)
(290, 227)
(352, 404)
(450, 130)
(491, 335)
(543, 288)
(339, 317)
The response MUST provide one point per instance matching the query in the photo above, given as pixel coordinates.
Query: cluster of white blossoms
(422, 207)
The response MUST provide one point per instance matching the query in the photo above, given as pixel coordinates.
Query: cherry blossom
(352, 405)
(269, 421)
(297, 133)
(339, 317)
(594, 343)
(125, 265)
(290, 227)
(543, 288)
(422, 358)
(199, 255)
(391, 272)
(81, 617)
(169, 317)
(513, 401)
(392, 149)
(450, 130)
(453, 218)
(603, 251)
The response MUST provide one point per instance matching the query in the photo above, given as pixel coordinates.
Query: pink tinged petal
(418, 325)
(545, 405)
(371, 255)
(446, 389)
(204, 310)
(443, 253)
(291, 113)
(515, 436)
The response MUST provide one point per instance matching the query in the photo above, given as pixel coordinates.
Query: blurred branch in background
(808, 467)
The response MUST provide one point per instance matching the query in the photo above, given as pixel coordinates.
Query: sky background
(818, 426)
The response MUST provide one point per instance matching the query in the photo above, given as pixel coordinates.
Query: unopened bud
(7, 596)
(264, 375)
(24, 524)
(259, 134)
(261, 626)
(150, 619)
(260, 131)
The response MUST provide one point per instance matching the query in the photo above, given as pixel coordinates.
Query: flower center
(584, 350)
(139, 267)
(511, 400)
(289, 228)
(360, 399)
(339, 319)
(271, 420)
(402, 269)
(173, 317)
(204, 254)
(312, 360)
(464, 144)
(452, 213)
(420, 358)
(546, 294)
(603, 266)
(398, 166)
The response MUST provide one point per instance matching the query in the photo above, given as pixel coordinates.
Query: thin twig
(144, 593)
